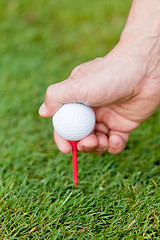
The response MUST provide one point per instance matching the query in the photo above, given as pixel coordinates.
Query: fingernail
(115, 145)
(88, 149)
(42, 109)
(100, 149)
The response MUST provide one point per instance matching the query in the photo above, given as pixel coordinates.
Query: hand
(123, 89)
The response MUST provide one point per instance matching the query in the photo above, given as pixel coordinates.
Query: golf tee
(74, 162)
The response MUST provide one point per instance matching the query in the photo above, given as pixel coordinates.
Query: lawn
(118, 196)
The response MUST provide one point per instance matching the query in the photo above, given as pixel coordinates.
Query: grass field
(118, 196)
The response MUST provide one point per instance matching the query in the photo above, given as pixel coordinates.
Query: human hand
(123, 87)
(118, 87)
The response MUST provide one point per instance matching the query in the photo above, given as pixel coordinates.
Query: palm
(113, 124)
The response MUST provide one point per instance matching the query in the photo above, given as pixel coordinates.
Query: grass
(118, 197)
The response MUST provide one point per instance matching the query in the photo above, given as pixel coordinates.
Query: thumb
(58, 94)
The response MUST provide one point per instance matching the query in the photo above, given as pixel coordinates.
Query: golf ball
(74, 121)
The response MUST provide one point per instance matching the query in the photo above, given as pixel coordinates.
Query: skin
(123, 87)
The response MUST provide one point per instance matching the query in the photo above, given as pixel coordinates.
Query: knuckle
(75, 70)
(49, 92)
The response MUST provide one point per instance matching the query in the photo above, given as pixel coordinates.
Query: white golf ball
(74, 121)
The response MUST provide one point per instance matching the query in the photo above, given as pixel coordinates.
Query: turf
(118, 197)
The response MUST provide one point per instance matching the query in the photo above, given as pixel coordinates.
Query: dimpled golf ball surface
(74, 121)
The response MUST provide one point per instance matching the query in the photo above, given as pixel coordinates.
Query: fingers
(74, 89)
(102, 143)
(93, 143)
(63, 145)
(117, 141)
(58, 94)
(96, 142)
(100, 127)
(51, 104)
(88, 144)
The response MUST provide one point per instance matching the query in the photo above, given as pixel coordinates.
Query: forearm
(141, 38)
(143, 26)
(144, 17)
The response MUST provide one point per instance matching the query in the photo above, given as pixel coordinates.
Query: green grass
(118, 197)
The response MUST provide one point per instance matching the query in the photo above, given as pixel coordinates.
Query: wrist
(144, 43)
(141, 35)
(144, 47)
